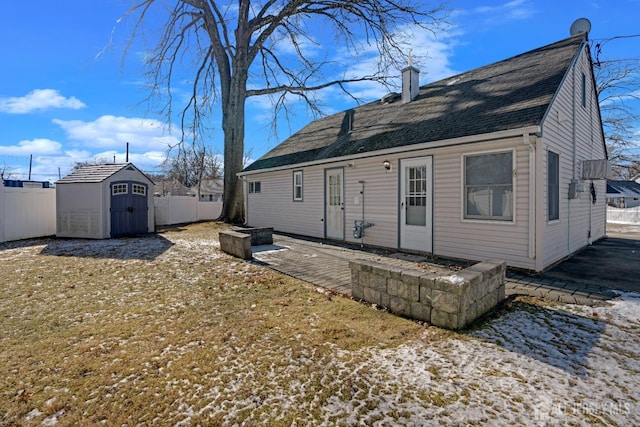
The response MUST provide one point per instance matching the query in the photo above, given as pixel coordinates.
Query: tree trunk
(233, 127)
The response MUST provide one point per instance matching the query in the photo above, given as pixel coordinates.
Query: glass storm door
(416, 204)
(334, 204)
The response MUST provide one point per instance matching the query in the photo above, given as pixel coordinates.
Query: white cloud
(431, 54)
(282, 44)
(98, 140)
(497, 15)
(39, 99)
(38, 146)
(113, 132)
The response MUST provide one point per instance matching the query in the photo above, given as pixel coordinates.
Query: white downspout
(532, 195)
(573, 159)
(245, 194)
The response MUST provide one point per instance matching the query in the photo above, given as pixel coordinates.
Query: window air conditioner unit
(596, 169)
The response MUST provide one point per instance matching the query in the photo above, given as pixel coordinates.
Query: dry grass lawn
(166, 330)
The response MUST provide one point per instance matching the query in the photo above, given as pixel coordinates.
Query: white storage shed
(103, 201)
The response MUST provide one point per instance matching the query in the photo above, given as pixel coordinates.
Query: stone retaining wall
(452, 302)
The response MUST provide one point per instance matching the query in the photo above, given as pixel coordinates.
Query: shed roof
(96, 173)
(510, 94)
(618, 188)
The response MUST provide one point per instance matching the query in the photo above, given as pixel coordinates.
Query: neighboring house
(211, 190)
(172, 188)
(505, 161)
(623, 194)
(102, 201)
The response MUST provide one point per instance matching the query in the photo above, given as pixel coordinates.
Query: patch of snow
(34, 413)
(454, 279)
(561, 365)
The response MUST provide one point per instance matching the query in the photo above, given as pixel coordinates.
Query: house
(172, 188)
(210, 190)
(505, 161)
(103, 201)
(623, 194)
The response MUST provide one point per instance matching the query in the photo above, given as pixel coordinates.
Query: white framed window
(488, 186)
(255, 187)
(553, 186)
(139, 189)
(297, 186)
(119, 189)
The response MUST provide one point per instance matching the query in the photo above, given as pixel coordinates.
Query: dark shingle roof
(509, 94)
(94, 173)
(623, 188)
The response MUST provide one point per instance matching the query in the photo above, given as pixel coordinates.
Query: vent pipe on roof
(410, 82)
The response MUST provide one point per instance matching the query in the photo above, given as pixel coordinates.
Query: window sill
(489, 221)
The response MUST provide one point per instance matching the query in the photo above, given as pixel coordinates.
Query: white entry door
(334, 203)
(416, 204)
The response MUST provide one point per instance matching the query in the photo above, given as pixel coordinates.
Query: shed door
(416, 204)
(334, 204)
(129, 208)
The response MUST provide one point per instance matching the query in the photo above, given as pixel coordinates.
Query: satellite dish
(581, 25)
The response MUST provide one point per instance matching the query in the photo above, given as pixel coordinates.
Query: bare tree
(618, 82)
(234, 43)
(92, 162)
(192, 164)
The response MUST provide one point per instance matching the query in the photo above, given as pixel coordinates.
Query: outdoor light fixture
(387, 165)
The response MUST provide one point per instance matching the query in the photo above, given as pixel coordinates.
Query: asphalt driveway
(613, 261)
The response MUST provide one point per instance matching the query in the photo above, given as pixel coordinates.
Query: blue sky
(66, 95)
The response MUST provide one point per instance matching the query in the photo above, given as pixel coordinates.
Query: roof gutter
(529, 130)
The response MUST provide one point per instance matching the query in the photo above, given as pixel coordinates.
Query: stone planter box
(238, 242)
(259, 235)
(453, 301)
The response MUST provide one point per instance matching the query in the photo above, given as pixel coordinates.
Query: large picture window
(553, 186)
(488, 186)
(297, 186)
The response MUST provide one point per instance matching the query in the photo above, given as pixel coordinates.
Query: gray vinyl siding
(452, 235)
(479, 240)
(380, 200)
(274, 205)
(578, 217)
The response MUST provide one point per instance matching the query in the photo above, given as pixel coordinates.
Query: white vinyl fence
(184, 209)
(26, 213)
(623, 216)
